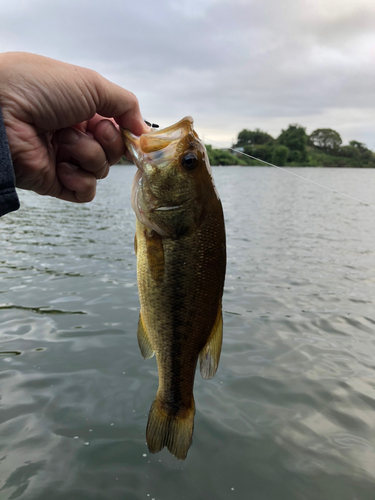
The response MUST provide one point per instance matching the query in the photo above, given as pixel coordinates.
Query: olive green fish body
(181, 258)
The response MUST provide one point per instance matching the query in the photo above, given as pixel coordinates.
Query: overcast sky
(231, 64)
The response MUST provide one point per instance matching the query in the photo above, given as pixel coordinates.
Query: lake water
(290, 414)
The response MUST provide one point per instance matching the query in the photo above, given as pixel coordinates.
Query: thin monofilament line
(299, 176)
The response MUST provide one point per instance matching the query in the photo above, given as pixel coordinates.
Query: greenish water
(290, 414)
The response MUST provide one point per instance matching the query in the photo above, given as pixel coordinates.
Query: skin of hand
(60, 121)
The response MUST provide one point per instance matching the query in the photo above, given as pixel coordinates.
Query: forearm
(8, 195)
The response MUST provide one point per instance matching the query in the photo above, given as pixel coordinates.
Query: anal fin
(144, 343)
(210, 354)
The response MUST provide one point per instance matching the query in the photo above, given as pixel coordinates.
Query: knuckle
(105, 172)
(86, 197)
(115, 160)
(95, 157)
(133, 100)
(92, 157)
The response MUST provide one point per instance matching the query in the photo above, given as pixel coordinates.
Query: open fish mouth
(157, 147)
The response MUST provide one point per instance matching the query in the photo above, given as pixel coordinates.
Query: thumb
(113, 101)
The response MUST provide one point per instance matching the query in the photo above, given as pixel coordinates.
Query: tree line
(322, 148)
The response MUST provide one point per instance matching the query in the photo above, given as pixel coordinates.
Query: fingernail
(69, 136)
(110, 133)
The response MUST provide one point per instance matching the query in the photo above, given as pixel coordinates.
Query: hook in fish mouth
(152, 125)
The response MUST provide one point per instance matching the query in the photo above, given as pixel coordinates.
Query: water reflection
(290, 412)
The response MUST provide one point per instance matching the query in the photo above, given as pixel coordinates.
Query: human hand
(60, 123)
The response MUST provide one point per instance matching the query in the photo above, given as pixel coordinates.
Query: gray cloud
(229, 64)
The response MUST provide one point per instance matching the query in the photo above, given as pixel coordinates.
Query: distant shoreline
(293, 148)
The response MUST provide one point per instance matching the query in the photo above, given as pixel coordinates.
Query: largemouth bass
(181, 260)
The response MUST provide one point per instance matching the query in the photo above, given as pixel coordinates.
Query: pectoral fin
(210, 354)
(144, 343)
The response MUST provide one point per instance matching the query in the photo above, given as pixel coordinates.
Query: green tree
(295, 139)
(358, 151)
(359, 146)
(365, 154)
(280, 155)
(222, 157)
(348, 152)
(225, 158)
(262, 151)
(210, 154)
(327, 139)
(253, 138)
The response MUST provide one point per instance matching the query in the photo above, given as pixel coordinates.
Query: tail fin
(174, 432)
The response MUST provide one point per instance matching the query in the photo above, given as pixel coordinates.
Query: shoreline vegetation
(294, 148)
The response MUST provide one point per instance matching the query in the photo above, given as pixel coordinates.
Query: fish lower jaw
(164, 209)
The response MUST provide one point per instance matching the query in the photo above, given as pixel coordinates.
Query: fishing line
(295, 175)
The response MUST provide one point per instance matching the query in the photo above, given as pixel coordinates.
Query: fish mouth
(157, 140)
(166, 209)
(157, 147)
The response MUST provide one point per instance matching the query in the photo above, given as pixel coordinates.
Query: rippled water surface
(290, 413)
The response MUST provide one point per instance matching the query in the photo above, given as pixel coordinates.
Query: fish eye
(189, 161)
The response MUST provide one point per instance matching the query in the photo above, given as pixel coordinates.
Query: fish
(180, 247)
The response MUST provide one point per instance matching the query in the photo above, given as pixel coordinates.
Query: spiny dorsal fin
(144, 343)
(210, 354)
